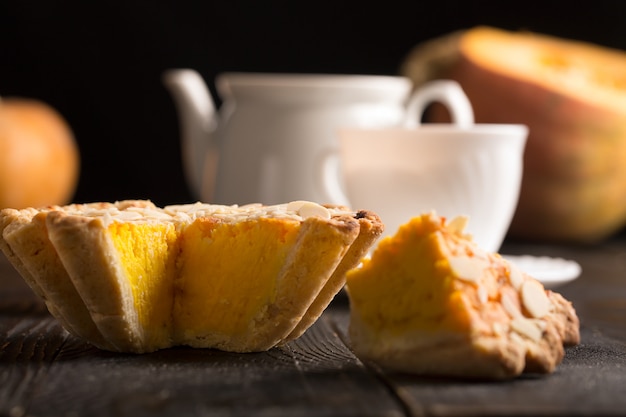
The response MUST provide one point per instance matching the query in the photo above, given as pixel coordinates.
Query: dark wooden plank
(29, 340)
(28, 346)
(590, 381)
(316, 375)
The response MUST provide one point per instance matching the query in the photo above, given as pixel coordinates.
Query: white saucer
(551, 272)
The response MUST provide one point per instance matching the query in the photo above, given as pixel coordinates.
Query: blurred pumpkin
(39, 158)
(571, 95)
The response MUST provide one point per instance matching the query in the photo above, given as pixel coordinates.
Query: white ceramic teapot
(270, 139)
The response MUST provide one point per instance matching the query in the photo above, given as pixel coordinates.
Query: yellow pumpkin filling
(217, 292)
(411, 279)
(148, 253)
(192, 281)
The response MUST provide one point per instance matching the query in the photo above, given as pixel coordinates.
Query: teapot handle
(448, 93)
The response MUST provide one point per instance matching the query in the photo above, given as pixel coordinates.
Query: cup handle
(446, 92)
(331, 179)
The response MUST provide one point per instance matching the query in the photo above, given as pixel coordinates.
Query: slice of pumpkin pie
(24, 232)
(133, 277)
(431, 302)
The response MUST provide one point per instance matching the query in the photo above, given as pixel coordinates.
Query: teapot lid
(330, 87)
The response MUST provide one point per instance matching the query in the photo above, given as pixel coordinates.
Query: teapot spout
(198, 121)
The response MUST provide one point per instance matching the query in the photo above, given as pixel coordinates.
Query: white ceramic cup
(455, 169)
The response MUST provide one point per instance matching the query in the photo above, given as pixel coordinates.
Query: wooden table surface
(46, 372)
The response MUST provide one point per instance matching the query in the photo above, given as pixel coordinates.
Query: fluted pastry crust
(72, 258)
(25, 242)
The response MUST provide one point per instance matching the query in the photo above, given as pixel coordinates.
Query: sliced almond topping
(535, 299)
(542, 324)
(468, 269)
(308, 209)
(510, 303)
(483, 296)
(516, 278)
(516, 338)
(457, 224)
(128, 215)
(526, 328)
(498, 329)
(295, 205)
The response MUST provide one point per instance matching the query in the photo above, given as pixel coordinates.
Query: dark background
(100, 63)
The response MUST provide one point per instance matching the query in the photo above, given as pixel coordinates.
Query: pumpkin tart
(133, 277)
